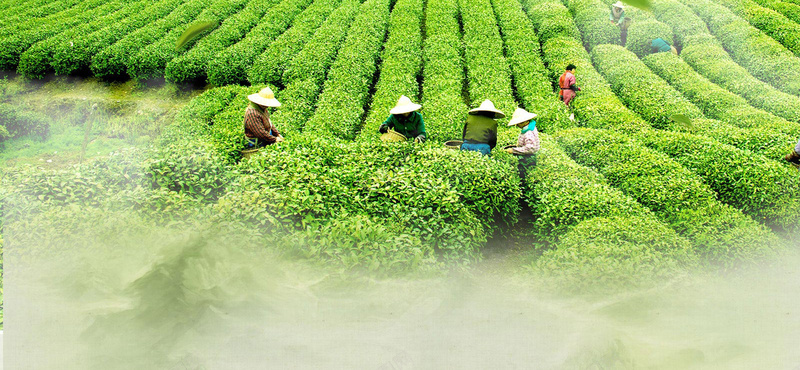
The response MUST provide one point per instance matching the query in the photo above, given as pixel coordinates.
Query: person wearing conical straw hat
(617, 13)
(258, 127)
(528, 142)
(794, 157)
(480, 130)
(405, 119)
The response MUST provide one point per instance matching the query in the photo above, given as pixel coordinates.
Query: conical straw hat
(404, 105)
(488, 106)
(520, 115)
(265, 97)
(619, 4)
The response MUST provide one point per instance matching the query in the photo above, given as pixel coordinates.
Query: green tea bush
(684, 21)
(342, 103)
(641, 34)
(38, 60)
(253, 56)
(707, 56)
(533, 88)
(150, 61)
(769, 21)
(715, 101)
(401, 64)
(760, 187)
(788, 10)
(298, 103)
(611, 253)
(112, 61)
(722, 234)
(551, 19)
(488, 74)
(192, 167)
(35, 30)
(319, 52)
(591, 17)
(443, 72)
(764, 141)
(16, 121)
(192, 64)
(16, 14)
(764, 57)
(641, 90)
(76, 56)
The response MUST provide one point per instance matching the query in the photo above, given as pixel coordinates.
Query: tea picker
(258, 128)
(617, 13)
(661, 46)
(794, 157)
(404, 120)
(568, 87)
(480, 129)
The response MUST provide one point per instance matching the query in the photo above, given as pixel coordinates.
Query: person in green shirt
(659, 45)
(480, 130)
(405, 119)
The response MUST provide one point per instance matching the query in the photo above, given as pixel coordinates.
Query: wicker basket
(392, 136)
(248, 152)
(453, 144)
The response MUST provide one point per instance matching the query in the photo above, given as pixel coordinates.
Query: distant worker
(258, 127)
(623, 29)
(617, 13)
(480, 130)
(794, 156)
(661, 46)
(405, 119)
(528, 141)
(568, 88)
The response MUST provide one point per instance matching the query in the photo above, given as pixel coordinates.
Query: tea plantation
(620, 195)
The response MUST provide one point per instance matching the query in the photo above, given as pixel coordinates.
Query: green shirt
(410, 127)
(480, 130)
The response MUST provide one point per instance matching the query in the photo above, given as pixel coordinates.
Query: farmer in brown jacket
(258, 128)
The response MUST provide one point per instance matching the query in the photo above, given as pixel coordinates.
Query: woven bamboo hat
(265, 97)
(404, 105)
(488, 106)
(619, 4)
(520, 115)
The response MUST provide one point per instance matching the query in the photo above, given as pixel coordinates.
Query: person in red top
(568, 88)
(258, 128)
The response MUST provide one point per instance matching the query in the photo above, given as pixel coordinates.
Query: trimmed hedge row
(591, 17)
(238, 61)
(443, 104)
(37, 60)
(684, 21)
(345, 96)
(318, 54)
(76, 56)
(721, 233)
(149, 62)
(20, 16)
(112, 61)
(706, 55)
(767, 142)
(488, 74)
(35, 30)
(764, 57)
(551, 19)
(642, 33)
(761, 188)
(192, 65)
(715, 101)
(402, 64)
(773, 23)
(788, 10)
(641, 90)
(533, 88)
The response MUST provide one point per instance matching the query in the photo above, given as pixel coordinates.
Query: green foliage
(551, 19)
(591, 17)
(242, 59)
(764, 57)
(342, 103)
(684, 21)
(401, 64)
(715, 101)
(191, 32)
(771, 22)
(113, 60)
(533, 88)
(641, 90)
(760, 187)
(443, 73)
(677, 196)
(151, 61)
(788, 10)
(76, 56)
(641, 34)
(34, 30)
(16, 121)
